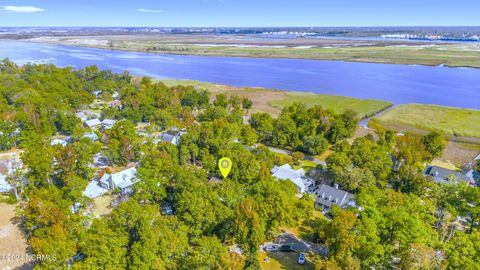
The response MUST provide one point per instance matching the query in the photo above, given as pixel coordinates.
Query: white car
(301, 258)
(271, 248)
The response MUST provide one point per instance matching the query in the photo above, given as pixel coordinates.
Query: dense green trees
(306, 129)
(404, 220)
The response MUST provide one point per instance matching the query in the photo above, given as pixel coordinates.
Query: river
(455, 87)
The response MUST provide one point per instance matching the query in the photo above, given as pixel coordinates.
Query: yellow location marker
(225, 165)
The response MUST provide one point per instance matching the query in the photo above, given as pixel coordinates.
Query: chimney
(336, 186)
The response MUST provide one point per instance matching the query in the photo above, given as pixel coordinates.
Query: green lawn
(337, 104)
(272, 101)
(452, 122)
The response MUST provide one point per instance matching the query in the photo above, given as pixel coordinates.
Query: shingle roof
(328, 195)
(442, 175)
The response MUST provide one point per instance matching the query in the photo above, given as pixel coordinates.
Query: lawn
(102, 206)
(282, 260)
(338, 104)
(459, 124)
(272, 101)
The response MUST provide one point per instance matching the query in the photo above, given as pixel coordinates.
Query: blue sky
(239, 13)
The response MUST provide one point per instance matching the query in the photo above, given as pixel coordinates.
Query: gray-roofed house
(92, 123)
(91, 135)
(82, 116)
(108, 123)
(442, 175)
(297, 177)
(59, 142)
(328, 196)
(123, 180)
(171, 138)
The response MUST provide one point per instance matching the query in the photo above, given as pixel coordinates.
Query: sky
(237, 13)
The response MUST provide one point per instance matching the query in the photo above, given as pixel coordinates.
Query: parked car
(271, 248)
(286, 248)
(301, 258)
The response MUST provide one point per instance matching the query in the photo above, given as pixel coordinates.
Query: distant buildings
(96, 123)
(297, 177)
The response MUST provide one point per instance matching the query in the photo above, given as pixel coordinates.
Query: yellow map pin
(225, 165)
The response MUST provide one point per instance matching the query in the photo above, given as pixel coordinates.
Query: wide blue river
(456, 87)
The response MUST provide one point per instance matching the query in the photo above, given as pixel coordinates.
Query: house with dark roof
(442, 176)
(329, 196)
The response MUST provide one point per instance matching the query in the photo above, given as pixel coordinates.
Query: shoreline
(352, 59)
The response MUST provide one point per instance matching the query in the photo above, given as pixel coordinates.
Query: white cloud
(23, 9)
(150, 10)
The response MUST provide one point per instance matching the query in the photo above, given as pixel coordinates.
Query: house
(91, 135)
(59, 142)
(442, 175)
(97, 93)
(92, 123)
(94, 190)
(171, 138)
(108, 123)
(115, 104)
(297, 177)
(123, 180)
(100, 161)
(477, 158)
(214, 180)
(328, 196)
(5, 187)
(82, 116)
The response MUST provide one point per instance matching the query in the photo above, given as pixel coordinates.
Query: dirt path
(12, 241)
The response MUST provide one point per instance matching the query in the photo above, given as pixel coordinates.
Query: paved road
(307, 157)
(298, 244)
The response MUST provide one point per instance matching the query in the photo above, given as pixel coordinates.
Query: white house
(297, 177)
(4, 185)
(123, 180)
(92, 123)
(59, 142)
(97, 93)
